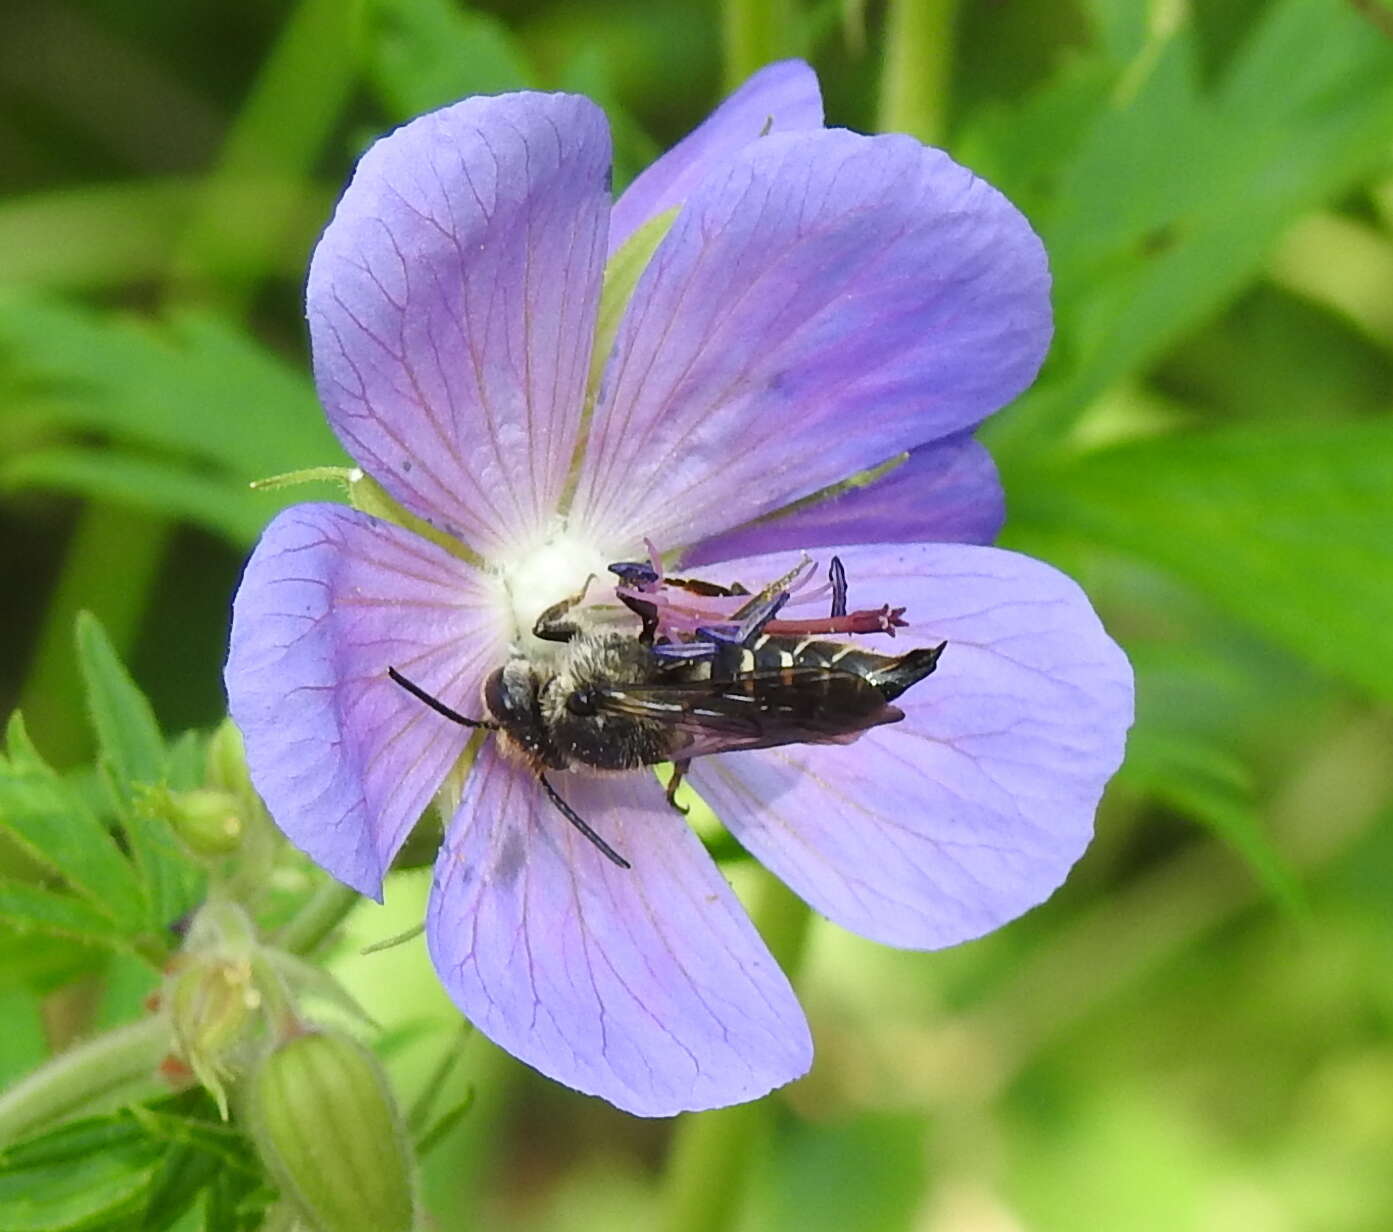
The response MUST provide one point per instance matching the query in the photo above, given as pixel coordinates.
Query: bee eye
(495, 695)
(581, 702)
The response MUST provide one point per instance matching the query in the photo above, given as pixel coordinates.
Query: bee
(616, 702)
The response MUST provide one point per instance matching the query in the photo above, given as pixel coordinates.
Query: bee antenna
(437, 705)
(580, 824)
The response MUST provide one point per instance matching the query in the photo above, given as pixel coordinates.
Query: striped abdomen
(891, 675)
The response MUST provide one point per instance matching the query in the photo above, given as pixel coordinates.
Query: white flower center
(548, 574)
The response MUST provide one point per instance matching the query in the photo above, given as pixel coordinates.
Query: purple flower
(823, 302)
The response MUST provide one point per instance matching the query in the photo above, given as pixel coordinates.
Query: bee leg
(550, 626)
(679, 768)
(699, 587)
(580, 824)
(646, 612)
(836, 574)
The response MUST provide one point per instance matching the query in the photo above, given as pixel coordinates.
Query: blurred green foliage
(1196, 1032)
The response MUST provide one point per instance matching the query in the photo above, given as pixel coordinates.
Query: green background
(1195, 1032)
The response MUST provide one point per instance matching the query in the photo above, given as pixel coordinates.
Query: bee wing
(760, 710)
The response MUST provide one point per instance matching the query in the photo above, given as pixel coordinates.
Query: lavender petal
(452, 306)
(646, 986)
(946, 492)
(345, 759)
(782, 97)
(824, 301)
(972, 809)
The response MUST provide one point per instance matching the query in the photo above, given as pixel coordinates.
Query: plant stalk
(709, 1163)
(122, 1062)
(754, 33)
(915, 80)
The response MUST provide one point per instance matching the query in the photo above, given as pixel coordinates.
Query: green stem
(319, 917)
(111, 563)
(754, 33)
(114, 557)
(75, 1081)
(123, 1061)
(712, 1152)
(115, 553)
(277, 136)
(914, 82)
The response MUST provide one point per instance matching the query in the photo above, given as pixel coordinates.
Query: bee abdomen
(890, 674)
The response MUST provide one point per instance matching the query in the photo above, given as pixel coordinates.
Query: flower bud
(227, 759)
(207, 821)
(212, 1004)
(324, 1121)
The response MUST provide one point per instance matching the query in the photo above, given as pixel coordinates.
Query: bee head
(510, 695)
(582, 729)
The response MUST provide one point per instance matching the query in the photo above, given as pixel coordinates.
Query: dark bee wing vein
(756, 710)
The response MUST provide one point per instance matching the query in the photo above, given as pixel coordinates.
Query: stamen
(880, 620)
(836, 575)
(655, 557)
(678, 612)
(636, 574)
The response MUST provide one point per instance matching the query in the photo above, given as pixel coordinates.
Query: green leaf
(93, 1174)
(283, 127)
(22, 1043)
(166, 386)
(1290, 531)
(883, 1151)
(92, 236)
(20, 748)
(127, 733)
(192, 1119)
(1173, 198)
(183, 1174)
(31, 908)
(50, 822)
(132, 747)
(428, 53)
(172, 882)
(38, 964)
(200, 1155)
(168, 486)
(1203, 782)
(137, 1170)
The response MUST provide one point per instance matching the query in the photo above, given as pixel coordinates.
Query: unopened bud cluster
(316, 1102)
(213, 995)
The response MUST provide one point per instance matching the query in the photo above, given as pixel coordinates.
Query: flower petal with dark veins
(780, 98)
(345, 759)
(452, 304)
(946, 492)
(646, 986)
(971, 809)
(823, 301)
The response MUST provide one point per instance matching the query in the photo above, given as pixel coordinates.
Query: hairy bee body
(611, 703)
